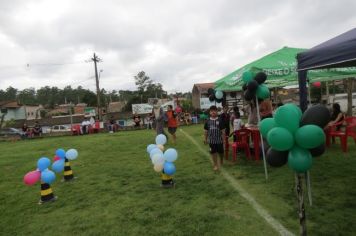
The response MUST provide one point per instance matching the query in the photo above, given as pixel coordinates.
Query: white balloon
(158, 159)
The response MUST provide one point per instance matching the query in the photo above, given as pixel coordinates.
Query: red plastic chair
(76, 130)
(95, 128)
(332, 132)
(242, 141)
(351, 127)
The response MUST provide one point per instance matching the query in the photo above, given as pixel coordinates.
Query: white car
(59, 128)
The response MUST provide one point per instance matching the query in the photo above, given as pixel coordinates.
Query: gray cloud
(177, 43)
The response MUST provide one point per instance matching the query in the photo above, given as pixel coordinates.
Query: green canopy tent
(280, 66)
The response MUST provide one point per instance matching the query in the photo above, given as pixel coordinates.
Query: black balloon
(276, 158)
(219, 100)
(261, 77)
(211, 91)
(248, 95)
(252, 86)
(211, 97)
(316, 115)
(233, 94)
(244, 87)
(318, 151)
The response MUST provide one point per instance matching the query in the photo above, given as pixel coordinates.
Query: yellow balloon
(158, 167)
(161, 147)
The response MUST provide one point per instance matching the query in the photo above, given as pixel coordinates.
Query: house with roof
(12, 110)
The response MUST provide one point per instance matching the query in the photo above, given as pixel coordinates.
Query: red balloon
(56, 158)
(317, 84)
(32, 177)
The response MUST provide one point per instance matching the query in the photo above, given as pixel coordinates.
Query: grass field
(118, 193)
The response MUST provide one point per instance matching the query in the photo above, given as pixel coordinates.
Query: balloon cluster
(254, 86)
(295, 137)
(61, 156)
(162, 161)
(215, 95)
(43, 173)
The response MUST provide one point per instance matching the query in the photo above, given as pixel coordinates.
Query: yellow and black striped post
(46, 193)
(68, 173)
(167, 180)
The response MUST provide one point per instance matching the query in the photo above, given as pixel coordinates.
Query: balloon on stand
(280, 139)
(266, 125)
(43, 163)
(309, 136)
(244, 88)
(161, 147)
(287, 117)
(252, 86)
(61, 153)
(154, 151)
(169, 168)
(161, 139)
(318, 151)
(247, 76)
(299, 159)
(316, 115)
(56, 158)
(32, 177)
(48, 176)
(262, 92)
(150, 147)
(72, 154)
(260, 77)
(219, 100)
(210, 91)
(276, 158)
(158, 159)
(249, 95)
(58, 166)
(295, 108)
(170, 155)
(158, 167)
(211, 97)
(219, 94)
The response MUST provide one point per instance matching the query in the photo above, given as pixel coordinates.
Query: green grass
(117, 192)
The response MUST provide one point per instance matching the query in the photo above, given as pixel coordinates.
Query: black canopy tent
(336, 52)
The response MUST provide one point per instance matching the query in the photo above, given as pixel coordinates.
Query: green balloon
(280, 139)
(266, 125)
(262, 91)
(299, 159)
(309, 136)
(287, 117)
(247, 76)
(296, 108)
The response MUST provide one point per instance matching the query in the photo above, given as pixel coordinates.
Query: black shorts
(216, 148)
(172, 130)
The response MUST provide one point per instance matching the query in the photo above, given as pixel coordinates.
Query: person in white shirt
(85, 126)
(237, 123)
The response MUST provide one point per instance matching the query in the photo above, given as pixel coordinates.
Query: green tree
(142, 81)
(27, 96)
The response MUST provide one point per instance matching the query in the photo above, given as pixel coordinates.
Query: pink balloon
(32, 177)
(317, 84)
(56, 158)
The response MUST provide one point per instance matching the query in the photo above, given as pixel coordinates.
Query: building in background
(200, 93)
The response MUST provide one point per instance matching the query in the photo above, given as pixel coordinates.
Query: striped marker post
(68, 173)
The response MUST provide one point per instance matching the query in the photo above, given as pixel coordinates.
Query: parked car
(59, 128)
(11, 132)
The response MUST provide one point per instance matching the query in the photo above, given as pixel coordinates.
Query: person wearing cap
(215, 135)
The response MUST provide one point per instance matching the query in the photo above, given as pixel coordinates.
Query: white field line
(249, 198)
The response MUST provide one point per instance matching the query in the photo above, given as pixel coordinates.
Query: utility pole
(96, 59)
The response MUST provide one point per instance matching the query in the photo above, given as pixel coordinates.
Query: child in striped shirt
(215, 136)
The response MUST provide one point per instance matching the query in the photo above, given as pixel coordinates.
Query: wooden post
(301, 209)
(349, 96)
(262, 144)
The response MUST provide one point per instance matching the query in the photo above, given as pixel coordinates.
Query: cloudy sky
(176, 42)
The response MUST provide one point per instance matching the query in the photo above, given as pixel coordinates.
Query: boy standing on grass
(215, 136)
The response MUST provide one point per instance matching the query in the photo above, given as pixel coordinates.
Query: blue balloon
(154, 151)
(61, 153)
(71, 154)
(170, 155)
(58, 166)
(48, 176)
(161, 139)
(43, 163)
(219, 94)
(169, 168)
(150, 147)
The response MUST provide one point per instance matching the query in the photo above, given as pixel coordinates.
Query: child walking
(215, 136)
